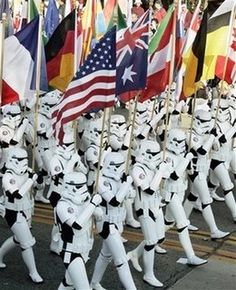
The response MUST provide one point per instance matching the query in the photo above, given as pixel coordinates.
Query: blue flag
(52, 18)
(4, 8)
(132, 53)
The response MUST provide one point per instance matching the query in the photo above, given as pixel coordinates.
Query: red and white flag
(93, 86)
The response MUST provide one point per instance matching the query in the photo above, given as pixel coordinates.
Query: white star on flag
(128, 73)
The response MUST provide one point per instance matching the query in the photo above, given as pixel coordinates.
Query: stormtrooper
(17, 182)
(45, 142)
(65, 160)
(231, 97)
(221, 154)
(113, 187)
(13, 127)
(74, 217)
(201, 143)
(119, 138)
(92, 136)
(173, 190)
(147, 174)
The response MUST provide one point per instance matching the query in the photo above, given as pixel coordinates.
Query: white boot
(130, 221)
(39, 196)
(126, 277)
(134, 256)
(55, 237)
(148, 261)
(218, 234)
(96, 286)
(5, 248)
(63, 287)
(192, 259)
(160, 250)
(28, 257)
(215, 196)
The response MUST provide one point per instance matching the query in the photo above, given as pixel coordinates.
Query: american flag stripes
(93, 87)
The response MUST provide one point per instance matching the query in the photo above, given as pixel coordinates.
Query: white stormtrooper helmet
(223, 112)
(47, 102)
(75, 187)
(12, 113)
(142, 115)
(149, 153)
(17, 160)
(176, 141)
(114, 165)
(202, 122)
(68, 144)
(231, 97)
(118, 130)
(92, 133)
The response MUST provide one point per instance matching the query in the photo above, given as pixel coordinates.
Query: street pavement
(218, 273)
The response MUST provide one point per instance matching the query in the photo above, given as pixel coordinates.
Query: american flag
(132, 53)
(93, 87)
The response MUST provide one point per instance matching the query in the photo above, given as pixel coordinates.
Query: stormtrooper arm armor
(10, 186)
(75, 163)
(20, 132)
(179, 170)
(117, 198)
(127, 139)
(141, 180)
(205, 148)
(87, 213)
(228, 135)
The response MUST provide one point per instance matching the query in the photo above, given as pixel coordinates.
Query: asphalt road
(166, 269)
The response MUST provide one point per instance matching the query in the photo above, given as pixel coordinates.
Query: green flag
(117, 19)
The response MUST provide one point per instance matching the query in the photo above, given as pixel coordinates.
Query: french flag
(19, 64)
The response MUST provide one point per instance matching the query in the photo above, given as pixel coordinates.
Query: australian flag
(131, 56)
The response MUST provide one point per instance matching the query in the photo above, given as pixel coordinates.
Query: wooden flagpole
(2, 37)
(131, 134)
(171, 72)
(38, 76)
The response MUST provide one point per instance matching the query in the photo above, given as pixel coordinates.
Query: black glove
(123, 177)
(222, 139)
(213, 132)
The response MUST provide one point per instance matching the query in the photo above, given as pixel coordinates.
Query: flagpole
(3, 27)
(171, 72)
(231, 26)
(100, 151)
(131, 134)
(191, 125)
(38, 77)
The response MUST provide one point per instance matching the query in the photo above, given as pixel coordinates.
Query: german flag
(60, 54)
(218, 37)
(194, 59)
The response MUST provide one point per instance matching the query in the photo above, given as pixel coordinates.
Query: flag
(117, 20)
(60, 53)
(93, 87)
(100, 24)
(218, 31)
(88, 24)
(160, 50)
(194, 59)
(229, 62)
(32, 10)
(132, 53)
(19, 63)
(4, 8)
(108, 10)
(52, 18)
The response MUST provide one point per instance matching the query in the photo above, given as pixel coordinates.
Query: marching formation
(137, 128)
(116, 174)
